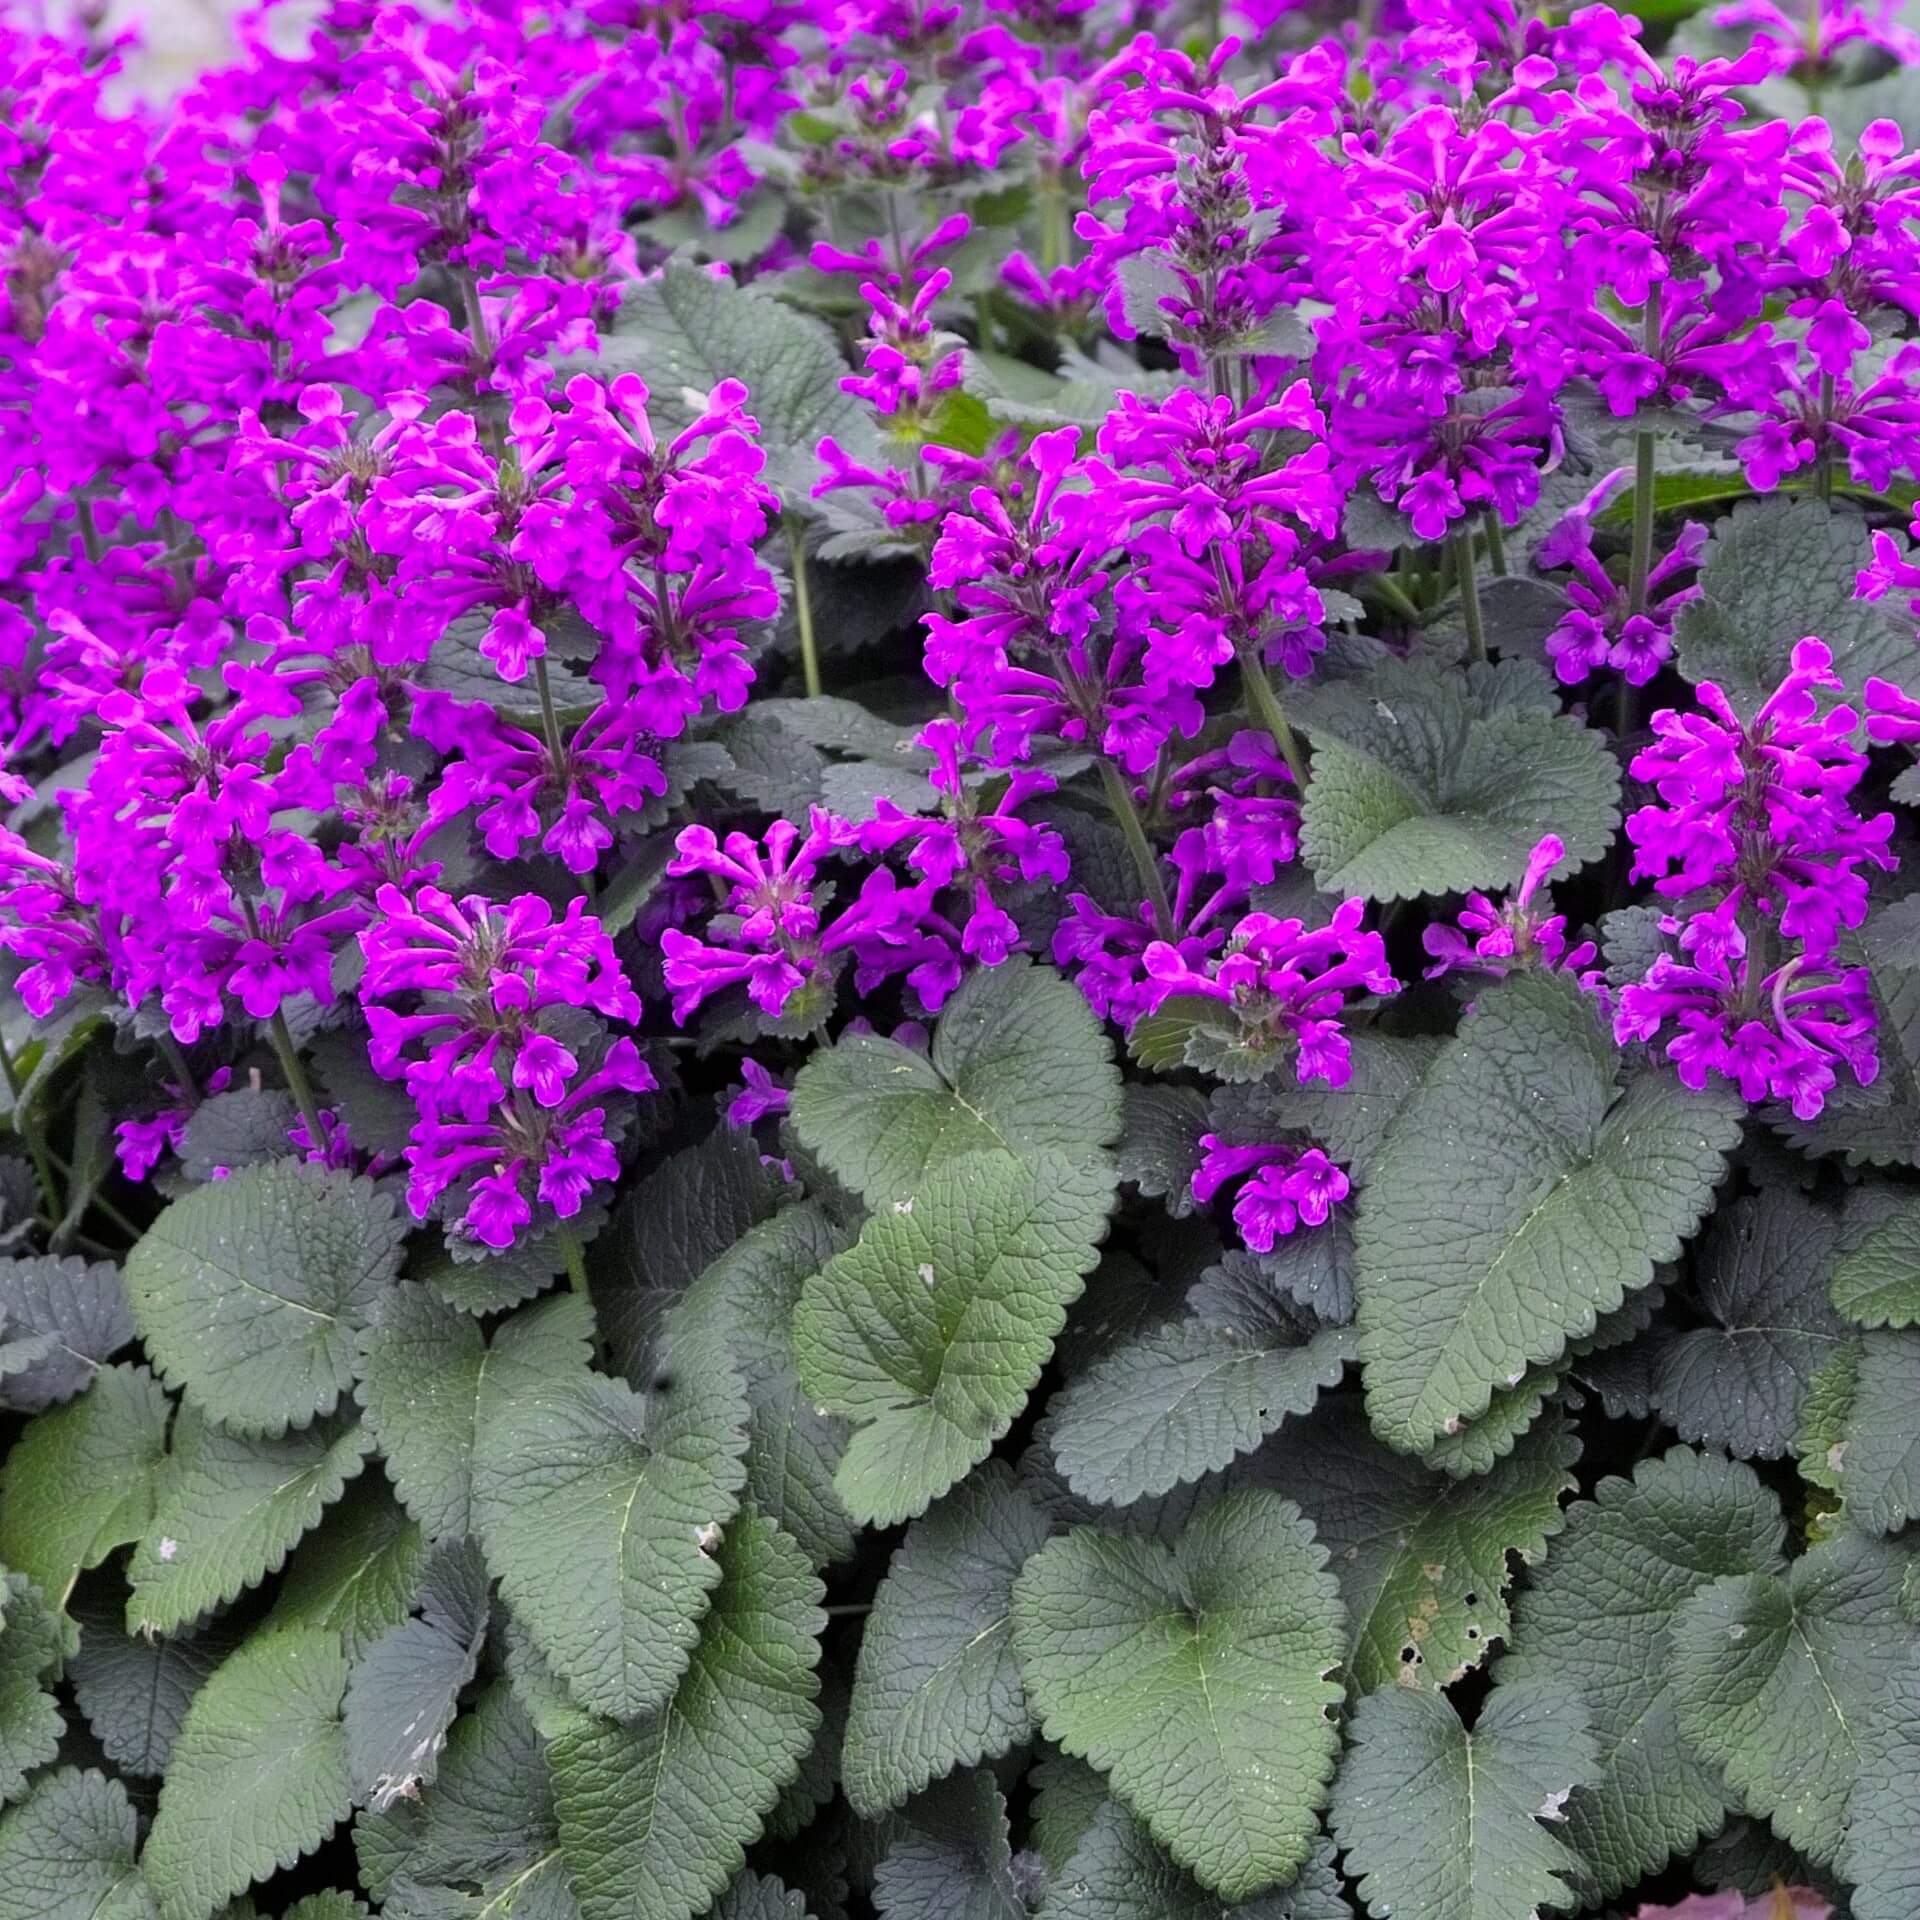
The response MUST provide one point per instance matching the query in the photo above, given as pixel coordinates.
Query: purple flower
(1286, 985)
(1598, 628)
(1758, 811)
(776, 935)
(1499, 940)
(1285, 1187)
(1779, 1035)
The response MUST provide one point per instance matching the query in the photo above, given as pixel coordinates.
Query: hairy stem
(1496, 542)
(1641, 563)
(1463, 568)
(175, 1057)
(803, 605)
(298, 1084)
(1266, 712)
(1127, 816)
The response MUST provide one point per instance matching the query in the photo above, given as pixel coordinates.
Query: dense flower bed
(1126, 779)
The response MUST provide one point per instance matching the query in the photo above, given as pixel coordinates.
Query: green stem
(550, 721)
(803, 605)
(176, 1059)
(1641, 562)
(575, 1257)
(298, 1084)
(1266, 712)
(36, 1147)
(475, 317)
(1464, 573)
(1127, 815)
(1823, 472)
(1496, 544)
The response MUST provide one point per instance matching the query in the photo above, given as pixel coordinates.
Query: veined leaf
(1442, 1824)
(426, 1373)
(601, 1508)
(1597, 1617)
(1522, 1192)
(79, 1481)
(931, 1332)
(656, 1814)
(1196, 1678)
(937, 1685)
(1776, 1676)
(67, 1852)
(228, 1511)
(249, 1292)
(1019, 1064)
(258, 1776)
(1426, 782)
(1424, 1560)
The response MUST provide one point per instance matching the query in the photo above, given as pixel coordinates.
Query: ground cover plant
(956, 965)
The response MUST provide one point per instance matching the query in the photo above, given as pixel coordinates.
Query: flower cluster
(1755, 833)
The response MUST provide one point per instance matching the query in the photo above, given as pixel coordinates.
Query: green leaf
(951, 1857)
(239, 1128)
(404, 1688)
(931, 1332)
(77, 1314)
(79, 1482)
(1774, 572)
(600, 1509)
(1877, 1449)
(936, 1685)
(753, 1896)
(1423, 1559)
(135, 1691)
(1522, 1192)
(656, 1814)
(258, 1776)
(1425, 781)
(228, 1510)
(249, 1291)
(425, 1373)
(1019, 1063)
(68, 1852)
(1775, 1676)
(1159, 1148)
(1442, 1824)
(1117, 1873)
(674, 1224)
(1597, 1617)
(356, 1574)
(686, 331)
(1195, 1678)
(30, 1651)
(1877, 1284)
(746, 1299)
(1185, 1400)
(1880, 1857)
(1761, 1280)
(480, 1843)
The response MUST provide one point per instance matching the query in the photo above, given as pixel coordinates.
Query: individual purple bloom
(1252, 828)
(1781, 1035)
(522, 1158)
(1499, 940)
(1284, 1187)
(1286, 985)
(977, 843)
(1893, 717)
(774, 936)
(760, 1097)
(1759, 810)
(1599, 630)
